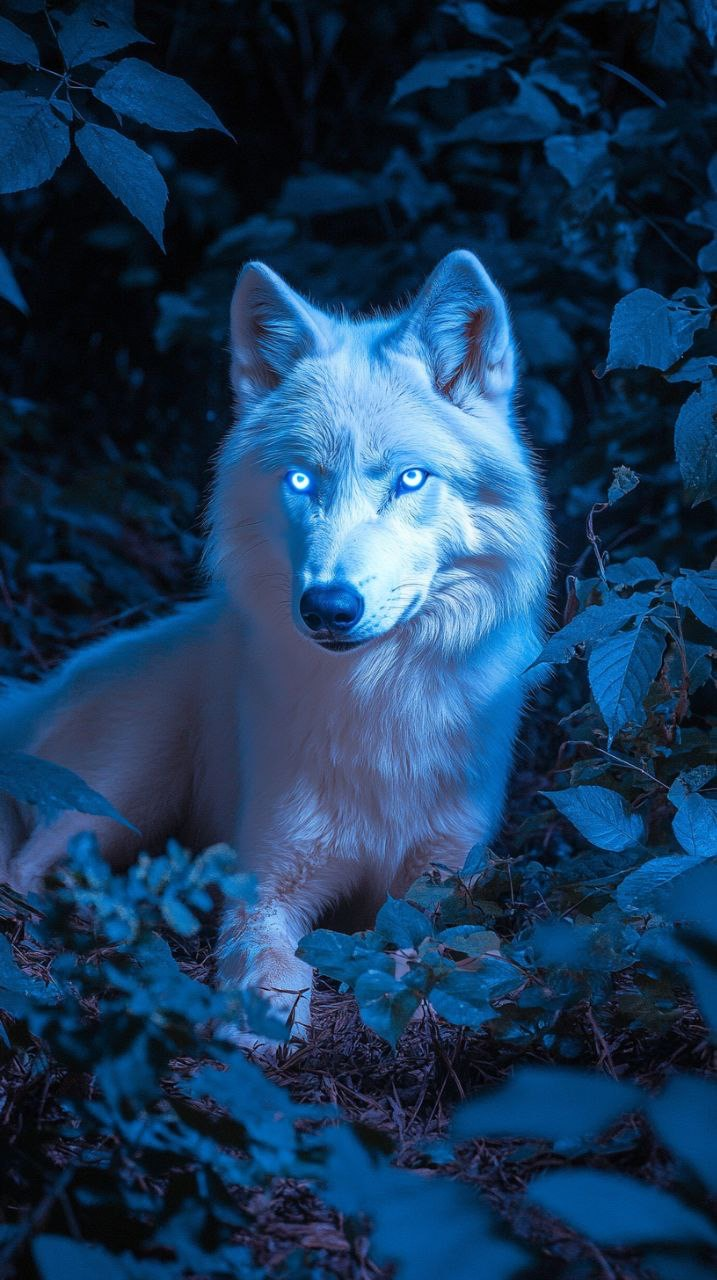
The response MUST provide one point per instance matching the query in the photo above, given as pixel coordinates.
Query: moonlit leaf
(612, 1209)
(600, 815)
(695, 825)
(621, 670)
(96, 28)
(33, 141)
(51, 787)
(647, 329)
(137, 89)
(574, 155)
(637, 891)
(685, 1116)
(696, 442)
(698, 592)
(439, 69)
(16, 46)
(550, 1103)
(128, 172)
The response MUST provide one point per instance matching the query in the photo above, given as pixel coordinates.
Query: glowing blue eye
(412, 479)
(299, 481)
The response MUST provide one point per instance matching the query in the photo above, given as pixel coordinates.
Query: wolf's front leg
(257, 950)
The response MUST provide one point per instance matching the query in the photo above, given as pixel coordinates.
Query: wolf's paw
(284, 983)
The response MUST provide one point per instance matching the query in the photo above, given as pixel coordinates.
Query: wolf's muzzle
(334, 608)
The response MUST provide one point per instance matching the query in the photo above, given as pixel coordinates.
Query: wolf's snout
(336, 607)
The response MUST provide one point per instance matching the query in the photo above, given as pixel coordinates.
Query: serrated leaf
(16, 46)
(128, 172)
(137, 89)
(637, 891)
(612, 1209)
(685, 1117)
(647, 329)
(574, 155)
(698, 592)
(51, 787)
(593, 624)
(96, 28)
(556, 1104)
(600, 815)
(621, 670)
(696, 443)
(439, 69)
(9, 287)
(695, 825)
(33, 141)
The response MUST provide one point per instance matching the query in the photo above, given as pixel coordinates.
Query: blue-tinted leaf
(59, 1257)
(9, 287)
(696, 369)
(463, 996)
(482, 21)
(698, 592)
(16, 46)
(135, 88)
(128, 172)
(621, 670)
(19, 990)
(386, 1005)
(401, 924)
(469, 940)
(51, 787)
(637, 892)
(96, 28)
(612, 1209)
(647, 329)
(600, 815)
(574, 155)
(530, 117)
(690, 780)
(343, 957)
(624, 480)
(439, 69)
(33, 141)
(691, 899)
(695, 825)
(630, 572)
(685, 1116)
(558, 1104)
(594, 623)
(696, 442)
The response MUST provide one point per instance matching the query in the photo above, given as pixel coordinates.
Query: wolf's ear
(271, 328)
(459, 322)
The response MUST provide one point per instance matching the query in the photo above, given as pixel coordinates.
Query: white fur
(334, 774)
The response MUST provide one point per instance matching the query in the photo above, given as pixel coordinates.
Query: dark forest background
(572, 147)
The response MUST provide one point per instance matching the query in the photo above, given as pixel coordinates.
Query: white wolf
(342, 706)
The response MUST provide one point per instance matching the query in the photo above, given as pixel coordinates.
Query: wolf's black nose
(337, 607)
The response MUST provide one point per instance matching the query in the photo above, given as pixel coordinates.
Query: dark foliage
(569, 144)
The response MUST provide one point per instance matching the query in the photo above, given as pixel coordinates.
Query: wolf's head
(374, 483)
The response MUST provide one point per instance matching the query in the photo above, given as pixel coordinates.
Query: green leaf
(401, 924)
(439, 69)
(685, 1117)
(16, 46)
(695, 825)
(33, 141)
(696, 443)
(96, 28)
(698, 592)
(647, 329)
(51, 787)
(612, 1209)
(600, 815)
(128, 172)
(135, 88)
(386, 1005)
(9, 287)
(574, 155)
(556, 1104)
(621, 670)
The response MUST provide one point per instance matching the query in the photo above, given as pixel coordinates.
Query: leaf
(637, 891)
(468, 940)
(698, 592)
(630, 572)
(463, 996)
(16, 46)
(696, 369)
(696, 443)
(9, 287)
(484, 22)
(58, 1257)
(401, 924)
(574, 155)
(96, 28)
(612, 1209)
(386, 1005)
(19, 990)
(128, 172)
(51, 787)
(695, 825)
(621, 670)
(137, 89)
(647, 329)
(555, 1104)
(530, 117)
(594, 623)
(33, 141)
(600, 815)
(685, 1117)
(623, 481)
(439, 69)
